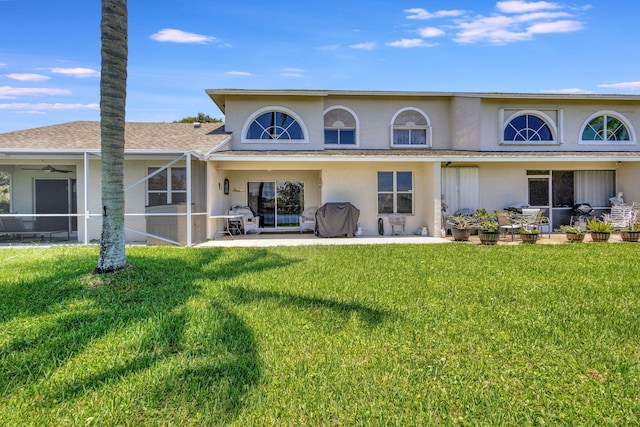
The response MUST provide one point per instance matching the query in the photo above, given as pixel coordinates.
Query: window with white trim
(163, 191)
(531, 127)
(607, 128)
(395, 192)
(410, 128)
(275, 126)
(340, 127)
(528, 128)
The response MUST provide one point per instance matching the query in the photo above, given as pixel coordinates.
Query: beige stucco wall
(502, 184)
(354, 182)
(458, 122)
(375, 116)
(358, 183)
(574, 114)
(466, 119)
(628, 179)
(309, 109)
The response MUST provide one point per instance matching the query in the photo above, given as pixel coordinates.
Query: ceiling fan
(47, 168)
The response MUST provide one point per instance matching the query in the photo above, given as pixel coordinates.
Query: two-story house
(386, 153)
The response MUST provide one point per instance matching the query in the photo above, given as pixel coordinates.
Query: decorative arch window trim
(274, 109)
(356, 129)
(555, 129)
(614, 115)
(393, 127)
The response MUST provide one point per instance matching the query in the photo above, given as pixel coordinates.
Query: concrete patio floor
(297, 239)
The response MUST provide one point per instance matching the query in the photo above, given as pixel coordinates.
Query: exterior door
(279, 204)
(53, 196)
(539, 189)
(460, 189)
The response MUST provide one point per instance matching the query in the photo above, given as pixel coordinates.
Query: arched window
(528, 128)
(410, 128)
(607, 127)
(274, 125)
(340, 127)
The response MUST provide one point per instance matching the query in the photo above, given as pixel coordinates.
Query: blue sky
(50, 51)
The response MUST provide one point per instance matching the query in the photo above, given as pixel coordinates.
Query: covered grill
(337, 219)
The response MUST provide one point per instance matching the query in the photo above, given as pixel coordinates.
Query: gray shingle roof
(138, 136)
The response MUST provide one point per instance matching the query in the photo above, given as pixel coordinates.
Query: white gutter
(420, 94)
(5, 153)
(486, 158)
(217, 147)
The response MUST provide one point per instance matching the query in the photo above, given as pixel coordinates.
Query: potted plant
(632, 233)
(574, 233)
(529, 235)
(599, 229)
(461, 226)
(489, 228)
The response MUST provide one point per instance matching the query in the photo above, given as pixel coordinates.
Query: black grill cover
(337, 219)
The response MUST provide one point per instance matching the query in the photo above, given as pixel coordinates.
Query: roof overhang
(425, 157)
(78, 154)
(219, 95)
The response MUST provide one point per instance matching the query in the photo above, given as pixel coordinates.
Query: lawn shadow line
(372, 317)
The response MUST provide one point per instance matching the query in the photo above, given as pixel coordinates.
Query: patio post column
(86, 197)
(188, 169)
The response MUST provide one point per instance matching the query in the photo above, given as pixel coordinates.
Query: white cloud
(418, 13)
(32, 112)
(622, 85)
(495, 29)
(9, 92)
(501, 29)
(27, 77)
(409, 43)
(48, 107)
(430, 32)
(364, 46)
(178, 36)
(237, 73)
(76, 72)
(2, 65)
(555, 27)
(519, 6)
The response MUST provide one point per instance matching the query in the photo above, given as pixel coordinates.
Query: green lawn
(368, 335)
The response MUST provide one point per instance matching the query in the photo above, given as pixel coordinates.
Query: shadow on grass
(68, 335)
(370, 316)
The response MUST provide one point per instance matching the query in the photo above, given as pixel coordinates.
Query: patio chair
(506, 223)
(397, 221)
(14, 228)
(308, 219)
(249, 221)
(620, 216)
(533, 217)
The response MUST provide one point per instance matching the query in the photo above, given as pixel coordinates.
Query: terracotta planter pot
(529, 238)
(489, 237)
(630, 236)
(598, 236)
(575, 237)
(461, 234)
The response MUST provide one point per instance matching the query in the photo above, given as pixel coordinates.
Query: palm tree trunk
(113, 93)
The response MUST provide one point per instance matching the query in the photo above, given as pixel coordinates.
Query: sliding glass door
(279, 204)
